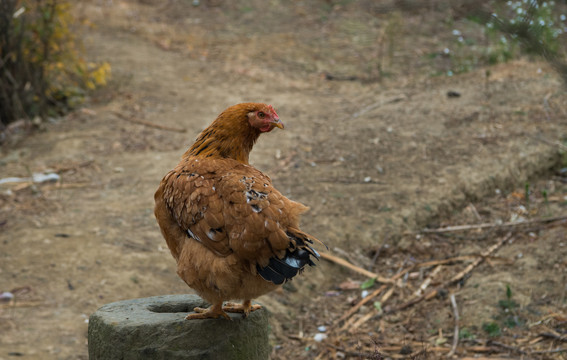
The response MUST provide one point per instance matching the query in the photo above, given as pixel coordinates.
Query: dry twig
(508, 347)
(147, 123)
(62, 169)
(352, 325)
(456, 278)
(482, 358)
(550, 142)
(356, 354)
(369, 298)
(375, 105)
(446, 261)
(551, 351)
(428, 281)
(554, 336)
(492, 225)
(456, 332)
(16, 304)
(483, 255)
(355, 308)
(338, 260)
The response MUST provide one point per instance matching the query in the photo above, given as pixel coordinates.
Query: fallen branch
(369, 274)
(355, 308)
(373, 106)
(477, 262)
(479, 349)
(456, 278)
(554, 336)
(147, 123)
(17, 304)
(492, 225)
(369, 298)
(446, 261)
(62, 169)
(352, 325)
(508, 347)
(350, 353)
(552, 351)
(456, 332)
(550, 142)
(360, 321)
(428, 281)
(382, 352)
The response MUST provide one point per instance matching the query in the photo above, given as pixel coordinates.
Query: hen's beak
(278, 123)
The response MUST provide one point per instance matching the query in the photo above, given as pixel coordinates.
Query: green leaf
(368, 284)
(378, 306)
(465, 333)
(507, 304)
(492, 329)
(440, 341)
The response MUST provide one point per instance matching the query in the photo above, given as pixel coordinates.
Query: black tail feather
(281, 270)
(269, 274)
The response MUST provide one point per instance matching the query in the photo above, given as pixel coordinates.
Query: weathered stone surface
(155, 328)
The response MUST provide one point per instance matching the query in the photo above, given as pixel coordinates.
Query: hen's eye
(261, 115)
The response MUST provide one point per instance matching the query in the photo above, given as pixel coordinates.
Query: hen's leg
(246, 307)
(214, 312)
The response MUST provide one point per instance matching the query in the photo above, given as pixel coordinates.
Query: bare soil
(373, 145)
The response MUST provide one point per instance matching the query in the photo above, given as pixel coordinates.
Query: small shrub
(42, 71)
(465, 333)
(492, 329)
(510, 28)
(508, 304)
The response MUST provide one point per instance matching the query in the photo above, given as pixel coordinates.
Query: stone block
(155, 328)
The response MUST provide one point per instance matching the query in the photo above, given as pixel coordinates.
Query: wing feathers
(239, 212)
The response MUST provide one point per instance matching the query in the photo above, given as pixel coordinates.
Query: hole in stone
(172, 308)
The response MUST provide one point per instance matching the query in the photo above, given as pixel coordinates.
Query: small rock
(453, 94)
(37, 120)
(49, 177)
(319, 337)
(6, 296)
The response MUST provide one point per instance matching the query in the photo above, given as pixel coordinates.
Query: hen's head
(234, 131)
(263, 117)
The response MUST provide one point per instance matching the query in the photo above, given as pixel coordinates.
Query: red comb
(273, 111)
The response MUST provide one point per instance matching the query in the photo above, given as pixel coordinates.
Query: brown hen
(233, 235)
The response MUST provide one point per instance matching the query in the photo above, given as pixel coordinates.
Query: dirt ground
(373, 145)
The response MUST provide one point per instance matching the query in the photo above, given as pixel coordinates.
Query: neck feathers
(229, 136)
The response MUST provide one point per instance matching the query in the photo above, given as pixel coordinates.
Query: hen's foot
(245, 308)
(214, 312)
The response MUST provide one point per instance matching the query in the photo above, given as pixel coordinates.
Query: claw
(214, 312)
(217, 310)
(245, 308)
